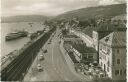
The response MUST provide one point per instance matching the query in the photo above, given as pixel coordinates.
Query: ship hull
(13, 36)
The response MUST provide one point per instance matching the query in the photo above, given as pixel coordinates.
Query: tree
(64, 32)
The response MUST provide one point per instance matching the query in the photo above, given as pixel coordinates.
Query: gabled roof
(115, 39)
(71, 36)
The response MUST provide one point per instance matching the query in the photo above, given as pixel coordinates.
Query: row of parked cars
(41, 58)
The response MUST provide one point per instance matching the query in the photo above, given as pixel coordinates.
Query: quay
(17, 68)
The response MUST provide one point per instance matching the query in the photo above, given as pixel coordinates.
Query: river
(9, 46)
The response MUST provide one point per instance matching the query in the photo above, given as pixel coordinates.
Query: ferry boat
(16, 35)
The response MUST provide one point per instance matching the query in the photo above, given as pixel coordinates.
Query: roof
(73, 40)
(67, 47)
(88, 31)
(115, 39)
(72, 56)
(106, 29)
(82, 48)
(71, 36)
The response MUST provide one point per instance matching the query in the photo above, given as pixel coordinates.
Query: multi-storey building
(99, 33)
(112, 55)
(85, 54)
(104, 30)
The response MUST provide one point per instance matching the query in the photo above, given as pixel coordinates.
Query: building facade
(88, 40)
(83, 53)
(112, 55)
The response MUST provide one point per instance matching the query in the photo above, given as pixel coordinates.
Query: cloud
(48, 7)
(109, 2)
(40, 8)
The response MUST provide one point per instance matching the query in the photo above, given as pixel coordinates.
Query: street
(55, 65)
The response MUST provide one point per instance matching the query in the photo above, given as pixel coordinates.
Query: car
(45, 51)
(59, 42)
(49, 43)
(41, 57)
(40, 68)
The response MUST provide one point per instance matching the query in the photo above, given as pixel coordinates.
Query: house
(104, 29)
(78, 49)
(112, 55)
(71, 38)
(86, 54)
(100, 32)
(67, 41)
(75, 59)
(86, 39)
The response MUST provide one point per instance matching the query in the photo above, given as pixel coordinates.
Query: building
(87, 39)
(71, 38)
(78, 50)
(67, 46)
(100, 32)
(112, 55)
(104, 29)
(83, 53)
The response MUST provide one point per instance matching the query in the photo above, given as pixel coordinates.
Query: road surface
(55, 65)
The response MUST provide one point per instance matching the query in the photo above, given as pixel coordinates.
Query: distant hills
(82, 14)
(91, 12)
(24, 18)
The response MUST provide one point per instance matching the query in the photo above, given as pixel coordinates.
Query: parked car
(40, 68)
(49, 42)
(41, 57)
(45, 51)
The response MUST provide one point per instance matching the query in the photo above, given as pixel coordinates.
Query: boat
(16, 35)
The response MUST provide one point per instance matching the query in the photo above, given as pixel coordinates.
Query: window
(108, 69)
(107, 38)
(118, 61)
(120, 72)
(108, 63)
(108, 51)
(116, 72)
(101, 63)
(125, 71)
(118, 51)
(100, 47)
(90, 57)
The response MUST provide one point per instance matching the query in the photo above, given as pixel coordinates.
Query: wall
(95, 40)
(105, 59)
(122, 66)
(88, 40)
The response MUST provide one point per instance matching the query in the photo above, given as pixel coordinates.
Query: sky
(48, 7)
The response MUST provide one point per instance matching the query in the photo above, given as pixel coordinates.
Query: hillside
(91, 12)
(120, 17)
(24, 18)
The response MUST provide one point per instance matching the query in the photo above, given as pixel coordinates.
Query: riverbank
(7, 47)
